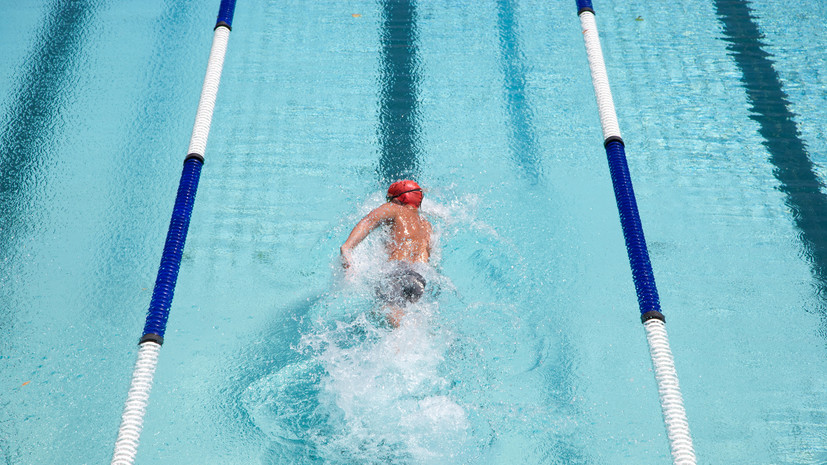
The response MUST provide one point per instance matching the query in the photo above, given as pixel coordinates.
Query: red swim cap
(408, 192)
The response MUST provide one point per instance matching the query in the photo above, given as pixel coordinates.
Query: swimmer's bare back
(410, 235)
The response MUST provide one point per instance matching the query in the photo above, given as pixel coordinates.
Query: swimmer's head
(407, 192)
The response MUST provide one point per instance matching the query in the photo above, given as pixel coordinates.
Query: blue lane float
(671, 400)
(642, 274)
(126, 444)
(583, 6)
(156, 319)
(225, 14)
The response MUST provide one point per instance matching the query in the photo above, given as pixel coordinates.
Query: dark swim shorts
(402, 285)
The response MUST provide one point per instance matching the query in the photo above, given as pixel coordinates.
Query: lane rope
(149, 347)
(671, 400)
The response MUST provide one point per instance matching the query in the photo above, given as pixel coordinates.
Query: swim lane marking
(126, 444)
(671, 400)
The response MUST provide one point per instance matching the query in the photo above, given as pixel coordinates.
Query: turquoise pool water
(528, 348)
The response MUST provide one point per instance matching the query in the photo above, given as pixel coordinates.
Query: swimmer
(409, 243)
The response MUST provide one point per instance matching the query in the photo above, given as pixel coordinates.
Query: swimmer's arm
(373, 219)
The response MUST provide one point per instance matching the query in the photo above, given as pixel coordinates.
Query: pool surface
(527, 347)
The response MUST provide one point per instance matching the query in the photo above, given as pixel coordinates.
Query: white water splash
(386, 395)
(365, 393)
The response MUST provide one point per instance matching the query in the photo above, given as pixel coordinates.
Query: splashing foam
(386, 398)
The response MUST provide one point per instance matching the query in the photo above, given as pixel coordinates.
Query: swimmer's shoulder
(386, 211)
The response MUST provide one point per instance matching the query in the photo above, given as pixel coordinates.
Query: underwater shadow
(33, 115)
(770, 108)
(522, 138)
(28, 124)
(399, 95)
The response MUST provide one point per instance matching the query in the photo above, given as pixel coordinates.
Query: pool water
(527, 347)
